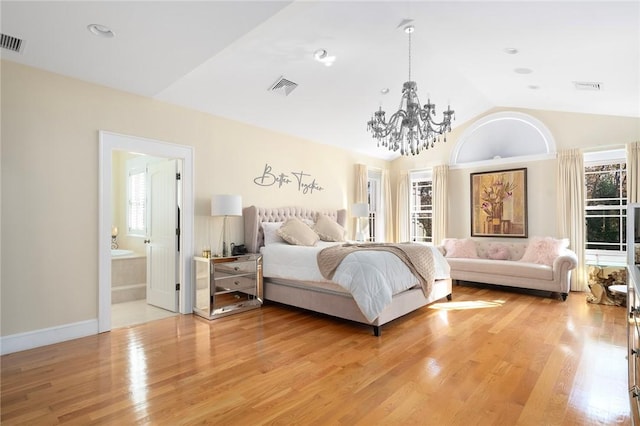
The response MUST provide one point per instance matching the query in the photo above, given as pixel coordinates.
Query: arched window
(503, 135)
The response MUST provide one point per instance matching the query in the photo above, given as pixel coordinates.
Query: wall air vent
(283, 86)
(11, 43)
(587, 85)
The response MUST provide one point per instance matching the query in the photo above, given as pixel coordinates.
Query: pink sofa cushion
(542, 250)
(464, 248)
(498, 252)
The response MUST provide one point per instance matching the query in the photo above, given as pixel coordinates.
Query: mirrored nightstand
(227, 285)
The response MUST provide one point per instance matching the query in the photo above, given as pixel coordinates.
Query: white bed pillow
(270, 233)
(328, 229)
(295, 231)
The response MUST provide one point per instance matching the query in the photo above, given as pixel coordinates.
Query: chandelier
(411, 128)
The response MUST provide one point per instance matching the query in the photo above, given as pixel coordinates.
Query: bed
(303, 289)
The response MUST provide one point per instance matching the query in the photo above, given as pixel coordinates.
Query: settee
(542, 263)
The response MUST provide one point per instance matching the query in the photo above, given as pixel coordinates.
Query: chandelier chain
(409, 56)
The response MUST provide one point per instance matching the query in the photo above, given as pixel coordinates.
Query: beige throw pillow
(328, 229)
(294, 231)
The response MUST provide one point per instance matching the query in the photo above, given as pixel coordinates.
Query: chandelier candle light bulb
(411, 128)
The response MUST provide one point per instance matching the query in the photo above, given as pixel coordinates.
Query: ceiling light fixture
(100, 30)
(322, 56)
(411, 128)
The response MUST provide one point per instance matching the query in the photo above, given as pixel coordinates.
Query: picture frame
(499, 203)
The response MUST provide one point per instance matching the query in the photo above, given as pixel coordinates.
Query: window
(605, 176)
(421, 207)
(136, 198)
(374, 185)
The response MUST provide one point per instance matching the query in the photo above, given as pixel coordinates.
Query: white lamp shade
(360, 210)
(226, 205)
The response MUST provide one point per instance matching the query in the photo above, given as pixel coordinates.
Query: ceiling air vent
(11, 43)
(283, 86)
(587, 85)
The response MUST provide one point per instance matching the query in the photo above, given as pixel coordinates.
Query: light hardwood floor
(489, 357)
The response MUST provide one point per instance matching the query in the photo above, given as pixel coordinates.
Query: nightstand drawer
(234, 268)
(235, 283)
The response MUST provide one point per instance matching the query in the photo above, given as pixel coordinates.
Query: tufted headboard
(254, 216)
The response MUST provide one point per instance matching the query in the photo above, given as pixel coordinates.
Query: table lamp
(359, 210)
(226, 205)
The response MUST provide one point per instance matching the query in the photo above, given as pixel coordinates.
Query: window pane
(421, 227)
(372, 227)
(605, 189)
(602, 212)
(421, 209)
(137, 203)
(375, 227)
(603, 229)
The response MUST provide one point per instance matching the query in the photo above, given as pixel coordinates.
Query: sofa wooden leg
(564, 296)
(449, 297)
(376, 330)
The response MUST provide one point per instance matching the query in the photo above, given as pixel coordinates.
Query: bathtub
(121, 252)
(128, 276)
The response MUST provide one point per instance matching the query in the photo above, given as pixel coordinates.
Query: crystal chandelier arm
(426, 115)
(382, 128)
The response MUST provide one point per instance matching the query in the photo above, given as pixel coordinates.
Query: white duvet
(372, 277)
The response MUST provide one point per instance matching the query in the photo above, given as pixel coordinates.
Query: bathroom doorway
(142, 249)
(144, 238)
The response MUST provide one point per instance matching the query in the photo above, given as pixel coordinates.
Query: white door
(162, 239)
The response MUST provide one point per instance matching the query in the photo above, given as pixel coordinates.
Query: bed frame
(334, 300)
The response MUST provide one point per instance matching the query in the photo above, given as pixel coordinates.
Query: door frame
(109, 142)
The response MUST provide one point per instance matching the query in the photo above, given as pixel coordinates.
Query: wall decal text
(303, 180)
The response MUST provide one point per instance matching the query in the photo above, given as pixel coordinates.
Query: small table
(226, 285)
(619, 291)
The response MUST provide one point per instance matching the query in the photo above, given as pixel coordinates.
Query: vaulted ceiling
(222, 57)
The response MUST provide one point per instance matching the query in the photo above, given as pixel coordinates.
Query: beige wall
(570, 130)
(50, 123)
(50, 150)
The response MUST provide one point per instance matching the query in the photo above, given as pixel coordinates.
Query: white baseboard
(47, 336)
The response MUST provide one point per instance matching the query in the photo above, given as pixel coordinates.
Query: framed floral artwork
(499, 203)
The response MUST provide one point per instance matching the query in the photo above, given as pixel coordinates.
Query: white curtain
(402, 208)
(387, 207)
(633, 172)
(571, 218)
(362, 178)
(440, 203)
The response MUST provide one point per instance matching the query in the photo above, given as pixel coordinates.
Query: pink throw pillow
(542, 250)
(498, 252)
(460, 248)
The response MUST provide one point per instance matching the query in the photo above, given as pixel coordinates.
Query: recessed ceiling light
(533, 87)
(384, 90)
(510, 50)
(100, 30)
(320, 54)
(523, 70)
